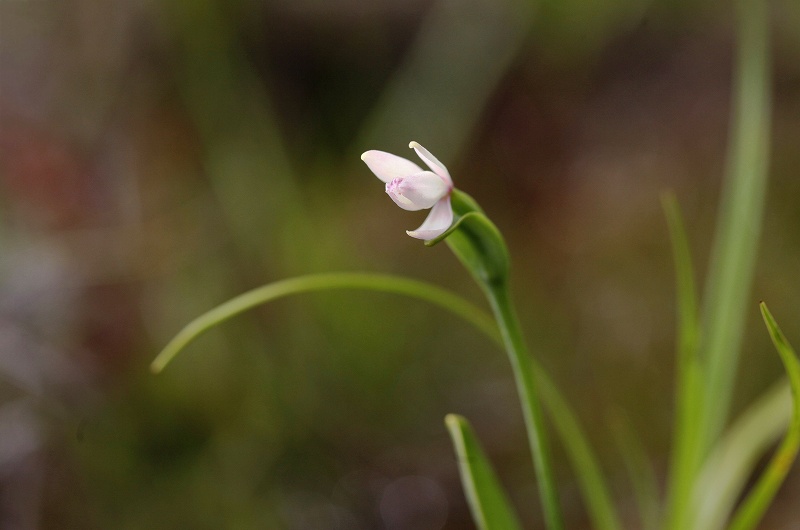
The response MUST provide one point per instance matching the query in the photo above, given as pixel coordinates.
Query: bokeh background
(158, 158)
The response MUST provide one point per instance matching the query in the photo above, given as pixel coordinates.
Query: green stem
(521, 364)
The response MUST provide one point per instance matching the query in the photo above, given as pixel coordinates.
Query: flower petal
(417, 192)
(439, 220)
(387, 166)
(432, 162)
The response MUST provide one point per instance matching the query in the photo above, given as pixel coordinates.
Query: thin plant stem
(500, 300)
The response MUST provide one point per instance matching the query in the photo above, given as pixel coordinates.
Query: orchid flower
(412, 188)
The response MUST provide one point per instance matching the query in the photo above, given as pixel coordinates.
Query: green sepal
(476, 241)
(462, 204)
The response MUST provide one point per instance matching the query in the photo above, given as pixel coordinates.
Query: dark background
(158, 158)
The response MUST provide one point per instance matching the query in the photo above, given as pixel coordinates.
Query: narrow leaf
(733, 255)
(689, 373)
(322, 282)
(579, 451)
(487, 501)
(758, 500)
(729, 466)
(687, 313)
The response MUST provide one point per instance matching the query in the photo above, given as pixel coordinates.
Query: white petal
(387, 166)
(417, 192)
(439, 220)
(432, 162)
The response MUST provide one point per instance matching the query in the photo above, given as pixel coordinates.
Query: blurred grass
(239, 127)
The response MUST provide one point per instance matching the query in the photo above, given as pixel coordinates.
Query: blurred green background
(158, 158)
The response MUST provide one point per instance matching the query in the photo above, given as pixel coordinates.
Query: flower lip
(417, 192)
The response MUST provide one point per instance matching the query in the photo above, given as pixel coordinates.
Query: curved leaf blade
(321, 282)
(487, 500)
(730, 464)
(584, 461)
(758, 500)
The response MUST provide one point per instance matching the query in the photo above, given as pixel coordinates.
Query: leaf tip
(453, 420)
(158, 364)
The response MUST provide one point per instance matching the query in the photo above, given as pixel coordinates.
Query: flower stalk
(480, 247)
(500, 300)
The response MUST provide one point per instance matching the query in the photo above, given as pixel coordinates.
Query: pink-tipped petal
(387, 166)
(417, 192)
(437, 222)
(432, 162)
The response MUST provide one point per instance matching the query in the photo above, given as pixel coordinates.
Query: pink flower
(413, 188)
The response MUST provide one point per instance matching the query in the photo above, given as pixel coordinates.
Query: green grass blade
(689, 377)
(687, 313)
(739, 220)
(758, 500)
(321, 282)
(584, 461)
(487, 501)
(730, 464)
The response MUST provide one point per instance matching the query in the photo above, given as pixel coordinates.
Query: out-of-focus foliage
(158, 158)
